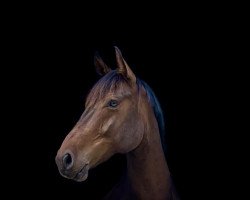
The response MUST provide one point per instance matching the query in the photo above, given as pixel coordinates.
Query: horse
(122, 115)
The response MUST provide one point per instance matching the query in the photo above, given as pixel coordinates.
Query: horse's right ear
(101, 67)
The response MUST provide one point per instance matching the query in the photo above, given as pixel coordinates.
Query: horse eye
(113, 103)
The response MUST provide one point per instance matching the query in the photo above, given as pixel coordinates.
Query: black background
(179, 52)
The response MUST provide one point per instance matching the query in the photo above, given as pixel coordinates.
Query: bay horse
(122, 115)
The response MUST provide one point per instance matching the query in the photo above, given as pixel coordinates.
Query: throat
(148, 173)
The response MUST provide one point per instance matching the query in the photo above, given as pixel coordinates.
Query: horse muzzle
(68, 169)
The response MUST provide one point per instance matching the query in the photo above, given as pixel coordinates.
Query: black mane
(157, 111)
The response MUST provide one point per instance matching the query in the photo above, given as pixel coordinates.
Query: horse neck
(148, 172)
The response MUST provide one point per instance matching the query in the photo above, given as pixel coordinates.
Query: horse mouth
(82, 175)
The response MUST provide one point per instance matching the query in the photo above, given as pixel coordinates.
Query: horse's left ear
(100, 66)
(122, 66)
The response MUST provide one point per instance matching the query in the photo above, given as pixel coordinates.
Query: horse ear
(122, 66)
(101, 67)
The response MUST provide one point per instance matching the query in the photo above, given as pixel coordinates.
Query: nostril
(67, 161)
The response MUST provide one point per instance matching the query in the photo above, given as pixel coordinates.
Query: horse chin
(82, 175)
